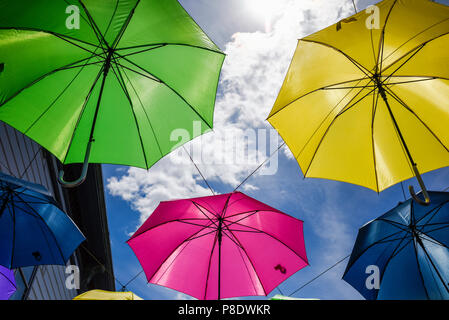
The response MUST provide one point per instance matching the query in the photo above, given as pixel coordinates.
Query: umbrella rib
(59, 35)
(414, 81)
(169, 87)
(316, 90)
(93, 25)
(367, 72)
(86, 101)
(343, 110)
(422, 44)
(419, 269)
(125, 90)
(176, 248)
(163, 44)
(403, 64)
(394, 254)
(403, 104)
(395, 224)
(369, 247)
(382, 39)
(429, 258)
(216, 215)
(146, 114)
(433, 240)
(144, 50)
(248, 214)
(135, 71)
(230, 223)
(39, 217)
(112, 18)
(271, 236)
(53, 103)
(209, 266)
(41, 78)
(250, 261)
(324, 120)
(174, 258)
(434, 212)
(13, 216)
(167, 222)
(124, 26)
(223, 213)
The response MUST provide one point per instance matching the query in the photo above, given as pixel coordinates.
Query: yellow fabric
(107, 295)
(329, 110)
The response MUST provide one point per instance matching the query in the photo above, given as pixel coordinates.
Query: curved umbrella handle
(415, 197)
(82, 178)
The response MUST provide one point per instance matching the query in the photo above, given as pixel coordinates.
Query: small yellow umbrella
(107, 295)
(366, 101)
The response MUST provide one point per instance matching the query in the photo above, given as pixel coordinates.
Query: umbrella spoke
(403, 104)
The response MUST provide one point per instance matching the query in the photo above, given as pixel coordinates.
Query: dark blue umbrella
(404, 253)
(33, 230)
(7, 283)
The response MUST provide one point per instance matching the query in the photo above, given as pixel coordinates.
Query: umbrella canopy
(365, 100)
(33, 230)
(404, 254)
(7, 283)
(220, 246)
(107, 295)
(281, 297)
(111, 89)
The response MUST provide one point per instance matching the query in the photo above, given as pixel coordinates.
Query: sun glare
(261, 8)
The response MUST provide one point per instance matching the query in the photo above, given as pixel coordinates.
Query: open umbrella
(365, 101)
(33, 230)
(7, 283)
(107, 82)
(404, 254)
(220, 246)
(107, 295)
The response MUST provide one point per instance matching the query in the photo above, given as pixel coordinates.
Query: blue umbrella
(7, 283)
(403, 255)
(33, 230)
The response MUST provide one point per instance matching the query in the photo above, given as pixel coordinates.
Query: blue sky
(259, 46)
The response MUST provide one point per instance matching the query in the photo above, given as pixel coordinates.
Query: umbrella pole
(83, 176)
(416, 172)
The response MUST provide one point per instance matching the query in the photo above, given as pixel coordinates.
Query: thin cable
(260, 166)
(198, 169)
(101, 264)
(322, 273)
(132, 279)
(403, 191)
(355, 7)
(279, 289)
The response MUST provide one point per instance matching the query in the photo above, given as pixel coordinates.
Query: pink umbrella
(220, 246)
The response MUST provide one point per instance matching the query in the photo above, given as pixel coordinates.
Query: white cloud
(252, 75)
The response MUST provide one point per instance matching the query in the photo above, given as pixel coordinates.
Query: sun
(262, 8)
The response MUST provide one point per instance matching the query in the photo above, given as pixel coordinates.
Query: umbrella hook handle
(82, 178)
(415, 197)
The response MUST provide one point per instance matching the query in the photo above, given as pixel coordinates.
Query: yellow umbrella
(366, 101)
(107, 295)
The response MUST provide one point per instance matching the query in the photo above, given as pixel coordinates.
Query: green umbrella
(106, 81)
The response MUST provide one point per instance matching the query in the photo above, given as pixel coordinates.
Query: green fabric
(163, 76)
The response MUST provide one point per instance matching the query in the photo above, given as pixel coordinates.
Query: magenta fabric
(178, 246)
